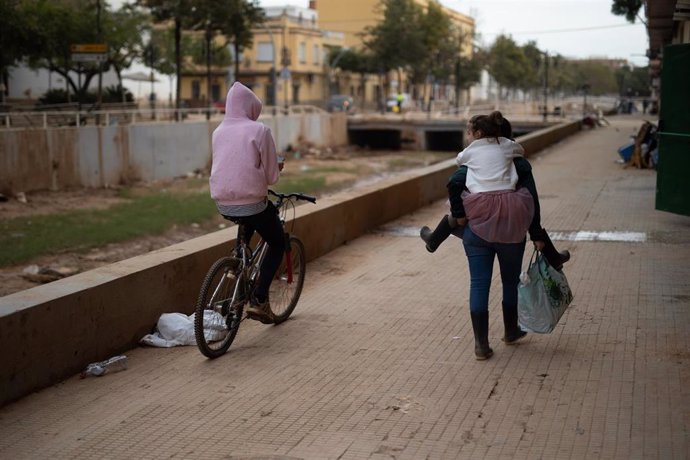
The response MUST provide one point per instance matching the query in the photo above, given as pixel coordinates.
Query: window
(315, 54)
(302, 53)
(264, 52)
(196, 89)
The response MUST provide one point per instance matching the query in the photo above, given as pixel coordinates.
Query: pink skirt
(499, 217)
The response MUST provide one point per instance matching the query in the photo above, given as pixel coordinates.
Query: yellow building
(352, 17)
(290, 48)
(292, 42)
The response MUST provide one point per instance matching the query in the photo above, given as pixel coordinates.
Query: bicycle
(228, 285)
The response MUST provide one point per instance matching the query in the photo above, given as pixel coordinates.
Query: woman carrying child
(499, 215)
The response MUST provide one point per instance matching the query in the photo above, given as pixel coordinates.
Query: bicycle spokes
(288, 265)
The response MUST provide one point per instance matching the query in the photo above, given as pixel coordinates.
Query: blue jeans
(480, 255)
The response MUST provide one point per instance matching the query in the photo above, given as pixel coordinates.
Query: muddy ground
(345, 168)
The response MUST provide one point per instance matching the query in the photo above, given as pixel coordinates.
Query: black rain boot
(434, 239)
(513, 333)
(480, 325)
(556, 259)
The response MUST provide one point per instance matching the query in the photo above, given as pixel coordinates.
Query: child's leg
(459, 228)
(556, 259)
(433, 239)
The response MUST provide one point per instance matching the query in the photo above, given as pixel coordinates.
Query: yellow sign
(89, 48)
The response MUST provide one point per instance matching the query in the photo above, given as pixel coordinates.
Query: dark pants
(267, 224)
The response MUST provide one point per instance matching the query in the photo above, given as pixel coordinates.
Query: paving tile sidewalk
(378, 360)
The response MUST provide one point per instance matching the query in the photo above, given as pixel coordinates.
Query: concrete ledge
(539, 140)
(53, 331)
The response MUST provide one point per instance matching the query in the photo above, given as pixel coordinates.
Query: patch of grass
(330, 169)
(148, 211)
(26, 237)
(305, 184)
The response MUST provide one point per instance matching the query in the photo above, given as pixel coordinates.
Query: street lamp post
(285, 74)
(585, 88)
(100, 62)
(546, 85)
(209, 35)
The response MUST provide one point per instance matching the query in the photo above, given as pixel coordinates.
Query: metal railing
(45, 119)
(57, 118)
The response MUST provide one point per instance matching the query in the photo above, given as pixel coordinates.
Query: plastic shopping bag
(543, 296)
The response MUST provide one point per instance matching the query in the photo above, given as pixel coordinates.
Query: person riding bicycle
(244, 164)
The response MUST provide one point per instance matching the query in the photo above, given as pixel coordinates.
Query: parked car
(340, 103)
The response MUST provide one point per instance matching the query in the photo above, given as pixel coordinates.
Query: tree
(437, 41)
(16, 37)
(533, 76)
(59, 24)
(627, 8)
(467, 72)
(160, 52)
(165, 11)
(600, 77)
(237, 19)
(633, 80)
(508, 63)
(397, 41)
(233, 18)
(352, 60)
(126, 28)
(220, 55)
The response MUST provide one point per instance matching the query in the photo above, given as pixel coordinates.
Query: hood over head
(241, 102)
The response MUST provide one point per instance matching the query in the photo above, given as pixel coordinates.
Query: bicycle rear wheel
(285, 290)
(219, 308)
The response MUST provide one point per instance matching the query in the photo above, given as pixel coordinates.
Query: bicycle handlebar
(298, 196)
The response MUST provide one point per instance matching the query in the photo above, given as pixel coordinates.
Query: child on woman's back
(492, 168)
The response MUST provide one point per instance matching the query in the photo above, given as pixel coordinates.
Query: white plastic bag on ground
(177, 329)
(172, 329)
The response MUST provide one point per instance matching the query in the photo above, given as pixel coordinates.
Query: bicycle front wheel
(288, 282)
(219, 308)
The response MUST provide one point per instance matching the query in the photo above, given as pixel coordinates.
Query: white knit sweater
(490, 164)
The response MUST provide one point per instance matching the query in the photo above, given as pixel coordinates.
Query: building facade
(287, 63)
(668, 22)
(285, 66)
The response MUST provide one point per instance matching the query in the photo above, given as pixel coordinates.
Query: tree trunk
(237, 61)
(209, 100)
(178, 64)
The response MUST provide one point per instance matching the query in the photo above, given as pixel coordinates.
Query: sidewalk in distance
(378, 361)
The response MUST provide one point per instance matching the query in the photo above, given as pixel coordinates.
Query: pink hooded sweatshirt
(244, 154)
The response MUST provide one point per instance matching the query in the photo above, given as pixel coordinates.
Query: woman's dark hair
(490, 125)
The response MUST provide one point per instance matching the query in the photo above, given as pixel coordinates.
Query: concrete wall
(53, 331)
(94, 156)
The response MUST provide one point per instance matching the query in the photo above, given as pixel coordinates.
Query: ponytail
(489, 125)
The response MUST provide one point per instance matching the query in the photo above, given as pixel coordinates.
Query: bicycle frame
(215, 332)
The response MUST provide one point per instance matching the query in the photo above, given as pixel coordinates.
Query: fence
(99, 155)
